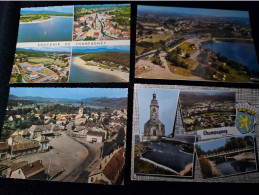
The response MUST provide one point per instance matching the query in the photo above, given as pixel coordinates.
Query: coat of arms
(245, 118)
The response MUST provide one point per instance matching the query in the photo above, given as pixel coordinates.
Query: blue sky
(119, 48)
(209, 92)
(70, 93)
(53, 49)
(104, 5)
(196, 11)
(167, 101)
(60, 9)
(211, 145)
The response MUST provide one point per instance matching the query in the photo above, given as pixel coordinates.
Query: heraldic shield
(245, 119)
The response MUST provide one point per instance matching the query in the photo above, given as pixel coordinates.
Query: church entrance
(154, 132)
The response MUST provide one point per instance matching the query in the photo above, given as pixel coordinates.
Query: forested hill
(189, 98)
(111, 103)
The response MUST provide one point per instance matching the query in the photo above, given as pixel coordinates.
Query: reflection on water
(168, 155)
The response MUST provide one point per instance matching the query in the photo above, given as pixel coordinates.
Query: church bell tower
(81, 108)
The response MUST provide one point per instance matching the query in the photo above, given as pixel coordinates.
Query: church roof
(154, 101)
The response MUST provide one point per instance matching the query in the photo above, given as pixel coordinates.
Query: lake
(81, 75)
(241, 52)
(56, 29)
(168, 155)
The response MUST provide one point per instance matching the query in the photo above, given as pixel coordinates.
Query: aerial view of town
(40, 24)
(228, 156)
(109, 63)
(41, 65)
(207, 109)
(65, 134)
(195, 44)
(101, 22)
(156, 151)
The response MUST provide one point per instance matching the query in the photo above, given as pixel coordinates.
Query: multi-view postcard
(78, 44)
(195, 44)
(44, 127)
(156, 151)
(228, 156)
(102, 22)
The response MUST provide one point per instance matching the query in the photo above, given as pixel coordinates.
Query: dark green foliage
(205, 168)
(19, 79)
(119, 58)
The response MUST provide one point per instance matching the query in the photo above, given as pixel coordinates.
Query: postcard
(100, 64)
(102, 22)
(41, 65)
(44, 127)
(41, 24)
(156, 151)
(228, 156)
(195, 44)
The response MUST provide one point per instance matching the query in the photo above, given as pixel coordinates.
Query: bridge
(227, 152)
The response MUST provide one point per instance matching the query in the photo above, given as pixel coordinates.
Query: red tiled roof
(4, 146)
(32, 168)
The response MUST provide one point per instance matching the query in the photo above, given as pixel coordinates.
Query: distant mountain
(36, 52)
(111, 103)
(42, 12)
(189, 98)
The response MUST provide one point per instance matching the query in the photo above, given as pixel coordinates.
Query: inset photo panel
(41, 65)
(109, 63)
(102, 22)
(156, 151)
(65, 134)
(181, 43)
(44, 24)
(226, 157)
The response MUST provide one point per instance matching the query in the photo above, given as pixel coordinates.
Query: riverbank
(116, 73)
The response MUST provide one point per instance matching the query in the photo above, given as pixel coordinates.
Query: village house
(24, 148)
(44, 142)
(33, 170)
(110, 169)
(95, 136)
(35, 67)
(33, 75)
(7, 172)
(4, 147)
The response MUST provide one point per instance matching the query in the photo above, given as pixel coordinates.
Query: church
(154, 128)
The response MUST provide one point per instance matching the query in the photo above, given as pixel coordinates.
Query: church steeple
(154, 101)
(81, 108)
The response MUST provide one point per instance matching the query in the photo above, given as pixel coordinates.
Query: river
(168, 155)
(56, 29)
(81, 75)
(241, 52)
(232, 167)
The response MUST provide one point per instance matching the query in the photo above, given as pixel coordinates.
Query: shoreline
(116, 73)
(39, 21)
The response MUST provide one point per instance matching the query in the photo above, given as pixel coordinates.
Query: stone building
(154, 128)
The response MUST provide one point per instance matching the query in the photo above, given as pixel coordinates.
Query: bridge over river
(225, 153)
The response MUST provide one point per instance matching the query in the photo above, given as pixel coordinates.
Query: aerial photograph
(65, 134)
(41, 65)
(41, 24)
(229, 156)
(102, 22)
(195, 44)
(109, 63)
(156, 150)
(207, 109)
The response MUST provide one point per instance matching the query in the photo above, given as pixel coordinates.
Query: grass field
(180, 70)
(157, 37)
(46, 61)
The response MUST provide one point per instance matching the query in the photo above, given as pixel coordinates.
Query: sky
(211, 145)
(167, 101)
(61, 9)
(53, 49)
(209, 92)
(121, 48)
(70, 93)
(195, 11)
